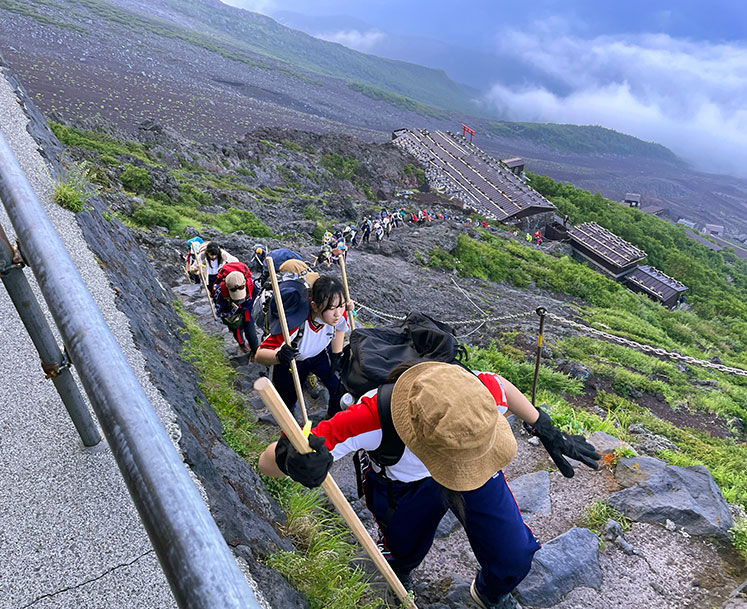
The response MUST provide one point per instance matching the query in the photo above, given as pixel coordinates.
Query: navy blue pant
(318, 365)
(409, 512)
(248, 330)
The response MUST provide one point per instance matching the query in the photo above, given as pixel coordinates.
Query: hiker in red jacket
(451, 442)
(317, 319)
(233, 304)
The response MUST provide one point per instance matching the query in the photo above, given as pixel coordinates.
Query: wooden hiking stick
(347, 291)
(286, 336)
(203, 276)
(288, 424)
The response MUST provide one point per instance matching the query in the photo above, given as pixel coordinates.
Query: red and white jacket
(316, 337)
(358, 427)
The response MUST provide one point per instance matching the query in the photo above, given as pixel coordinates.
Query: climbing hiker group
(428, 434)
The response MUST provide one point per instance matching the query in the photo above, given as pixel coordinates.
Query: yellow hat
(449, 420)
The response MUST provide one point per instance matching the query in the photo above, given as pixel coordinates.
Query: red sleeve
(357, 419)
(273, 341)
(490, 380)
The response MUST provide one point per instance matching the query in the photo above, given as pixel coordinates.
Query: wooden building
(604, 250)
(515, 165)
(460, 169)
(633, 199)
(657, 285)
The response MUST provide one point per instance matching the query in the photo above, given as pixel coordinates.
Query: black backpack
(373, 353)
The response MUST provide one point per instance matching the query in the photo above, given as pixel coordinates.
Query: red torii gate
(465, 130)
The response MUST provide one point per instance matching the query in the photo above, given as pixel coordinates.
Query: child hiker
(453, 442)
(317, 318)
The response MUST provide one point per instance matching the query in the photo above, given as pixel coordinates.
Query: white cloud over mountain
(354, 39)
(689, 96)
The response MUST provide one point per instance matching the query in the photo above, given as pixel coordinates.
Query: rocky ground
(660, 568)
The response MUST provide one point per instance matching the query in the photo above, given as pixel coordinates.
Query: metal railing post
(198, 565)
(53, 361)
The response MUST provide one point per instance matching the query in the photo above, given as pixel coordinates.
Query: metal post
(541, 312)
(53, 361)
(198, 565)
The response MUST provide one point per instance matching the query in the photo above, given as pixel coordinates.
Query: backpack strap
(392, 447)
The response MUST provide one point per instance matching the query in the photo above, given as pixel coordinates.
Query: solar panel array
(655, 282)
(483, 181)
(606, 245)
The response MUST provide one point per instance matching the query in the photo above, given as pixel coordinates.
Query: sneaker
(504, 602)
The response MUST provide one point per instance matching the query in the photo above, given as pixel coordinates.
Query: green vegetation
(75, 190)
(340, 166)
(499, 259)
(24, 9)
(320, 567)
(176, 217)
(668, 248)
(412, 170)
(135, 179)
(100, 142)
(586, 139)
(291, 146)
(597, 515)
(398, 101)
(521, 372)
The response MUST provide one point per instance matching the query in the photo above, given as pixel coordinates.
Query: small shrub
(597, 515)
(75, 191)
(341, 167)
(135, 179)
(311, 212)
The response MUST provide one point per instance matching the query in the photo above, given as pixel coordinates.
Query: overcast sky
(671, 72)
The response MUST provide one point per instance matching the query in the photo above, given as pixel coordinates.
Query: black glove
(558, 444)
(309, 469)
(335, 362)
(286, 353)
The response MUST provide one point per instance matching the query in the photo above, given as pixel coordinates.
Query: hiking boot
(504, 602)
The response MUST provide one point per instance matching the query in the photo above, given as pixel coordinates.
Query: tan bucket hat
(300, 268)
(450, 421)
(236, 284)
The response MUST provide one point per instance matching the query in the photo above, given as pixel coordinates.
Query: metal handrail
(198, 565)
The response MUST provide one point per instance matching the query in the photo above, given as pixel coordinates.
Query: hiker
(213, 256)
(316, 319)
(452, 444)
(233, 304)
(190, 260)
(257, 263)
(366, 228)
(538, 237)
(289, 270)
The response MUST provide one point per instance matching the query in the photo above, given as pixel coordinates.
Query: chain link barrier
(658, 351)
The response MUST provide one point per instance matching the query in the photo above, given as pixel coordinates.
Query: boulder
(688, 496)
(568, 561)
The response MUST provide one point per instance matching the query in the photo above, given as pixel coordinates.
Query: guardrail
(198, 565)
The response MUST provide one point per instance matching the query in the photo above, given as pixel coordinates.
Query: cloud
(354, 39)
(256, 6)
(683, 94)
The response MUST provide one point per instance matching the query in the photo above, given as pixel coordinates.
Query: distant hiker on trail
(538, 237)
(213, 256)
(316, 319)
(451, 444)
(190, 260)
(257, 263)
(366, 229)
(233, 304)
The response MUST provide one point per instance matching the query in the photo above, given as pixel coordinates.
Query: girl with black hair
(315, 322)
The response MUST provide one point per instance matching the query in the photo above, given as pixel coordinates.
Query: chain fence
(658, 351)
